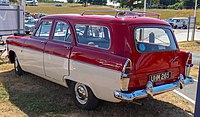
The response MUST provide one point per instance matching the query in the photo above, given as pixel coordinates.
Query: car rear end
(156, 65)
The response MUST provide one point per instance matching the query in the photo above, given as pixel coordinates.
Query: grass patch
(194, 72)
(3, 93)
(192, 46)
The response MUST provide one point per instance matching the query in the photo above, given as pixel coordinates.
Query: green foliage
(70, 1)
(129, 3)
(47, 1)
(157, 2)
(99, 2)
(14, 1)
(177, 5)
(95, 2)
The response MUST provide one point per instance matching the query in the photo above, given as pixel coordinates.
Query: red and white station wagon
(114, 58)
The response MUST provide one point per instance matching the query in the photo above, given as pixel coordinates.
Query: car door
(57, 51)
(33, 52)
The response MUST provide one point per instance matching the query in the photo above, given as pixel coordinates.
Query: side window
(62, 32)
(44, 29)
(93, 35)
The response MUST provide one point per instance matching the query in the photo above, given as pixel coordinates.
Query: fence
(11, 20)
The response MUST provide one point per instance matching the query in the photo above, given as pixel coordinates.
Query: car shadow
(38, 97)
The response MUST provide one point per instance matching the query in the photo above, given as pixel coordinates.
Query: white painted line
(184, 96)
(195, 80)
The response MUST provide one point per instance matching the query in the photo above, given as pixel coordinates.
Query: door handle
(42, 41)
(67, 46)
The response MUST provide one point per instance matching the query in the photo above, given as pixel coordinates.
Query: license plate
(159, 77)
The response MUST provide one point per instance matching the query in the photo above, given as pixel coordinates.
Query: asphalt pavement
(196, 58)
(182, 34)
(188, 92)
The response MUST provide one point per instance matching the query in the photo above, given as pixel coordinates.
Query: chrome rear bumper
(150, 90)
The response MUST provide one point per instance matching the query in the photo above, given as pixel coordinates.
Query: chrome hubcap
(81, 93)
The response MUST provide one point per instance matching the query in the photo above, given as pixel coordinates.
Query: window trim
(53, 31)
(49, 37)
(162, 27)
(89, 45)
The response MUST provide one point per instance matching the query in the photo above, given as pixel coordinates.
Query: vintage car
(117, 58)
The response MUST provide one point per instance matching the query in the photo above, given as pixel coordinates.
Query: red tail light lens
(189, 60)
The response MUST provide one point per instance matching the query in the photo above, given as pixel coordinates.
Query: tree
(169, 2)
(96, 2)
(85, 3)
(189, 3)
(99, 2)
(157, 2)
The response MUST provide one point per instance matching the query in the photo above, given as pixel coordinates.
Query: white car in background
(178, 22)
(31, 3)
(4, 3)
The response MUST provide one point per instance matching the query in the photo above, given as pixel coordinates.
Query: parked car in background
(31, 3)
(179, 22)
(169, 20)
(100, 57)
(28, 17)
(58, 4)
(4, 3)
(29, 26)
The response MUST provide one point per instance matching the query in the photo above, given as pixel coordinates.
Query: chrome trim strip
(188, 57)
(150, 90)
(124, 67)
(124, 74)
(188, 66)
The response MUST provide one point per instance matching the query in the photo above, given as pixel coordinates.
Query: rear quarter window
(93, 35)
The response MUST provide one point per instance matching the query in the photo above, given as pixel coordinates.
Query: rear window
(154, 39)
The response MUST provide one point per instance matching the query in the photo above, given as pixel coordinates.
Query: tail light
(188, 65)
(124, 81)
(189, 60)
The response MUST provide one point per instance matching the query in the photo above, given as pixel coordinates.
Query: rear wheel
(83, 96)
(17, 67)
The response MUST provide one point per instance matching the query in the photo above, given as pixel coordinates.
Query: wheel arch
(93, 88)
(89, 85)
(11, 55)
(69, 81)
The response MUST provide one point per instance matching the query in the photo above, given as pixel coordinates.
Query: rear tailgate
(155, 58)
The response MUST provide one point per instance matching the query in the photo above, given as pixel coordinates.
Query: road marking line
(195, 80)
(184, 96)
